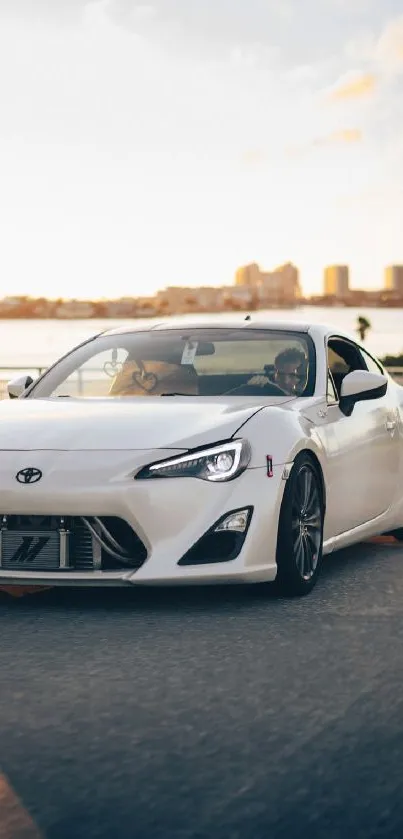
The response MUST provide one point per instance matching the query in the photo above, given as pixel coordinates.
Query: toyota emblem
(29, 475)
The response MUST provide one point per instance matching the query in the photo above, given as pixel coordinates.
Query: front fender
(281, 433)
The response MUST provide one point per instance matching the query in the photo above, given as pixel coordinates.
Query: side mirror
(361, 386)
(17, 387)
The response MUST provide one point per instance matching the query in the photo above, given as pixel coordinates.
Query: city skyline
(252, 290)
(287, 274)
(168, 142)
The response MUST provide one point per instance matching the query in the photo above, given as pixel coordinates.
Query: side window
(370, 363)
(343, 358)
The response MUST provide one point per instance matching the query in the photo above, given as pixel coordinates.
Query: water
(26, 344)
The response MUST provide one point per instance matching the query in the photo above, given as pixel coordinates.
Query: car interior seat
(152, 378)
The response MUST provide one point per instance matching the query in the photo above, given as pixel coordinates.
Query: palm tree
(363, 325)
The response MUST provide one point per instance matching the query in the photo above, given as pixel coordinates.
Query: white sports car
(183, 453)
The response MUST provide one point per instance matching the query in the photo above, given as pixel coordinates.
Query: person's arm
(260, 381)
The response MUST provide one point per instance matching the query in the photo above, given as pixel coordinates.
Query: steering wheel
(270, 389)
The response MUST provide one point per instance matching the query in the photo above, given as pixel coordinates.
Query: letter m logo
(29, 548)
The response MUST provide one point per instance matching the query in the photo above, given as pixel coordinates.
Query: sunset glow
(151, 145)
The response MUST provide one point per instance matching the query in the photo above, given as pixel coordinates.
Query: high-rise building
(394, 278)
(280, 286)
(336, 281)
(248, 275)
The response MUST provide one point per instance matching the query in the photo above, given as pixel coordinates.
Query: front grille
(54, 543)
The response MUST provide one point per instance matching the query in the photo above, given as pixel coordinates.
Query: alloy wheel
(306, 522)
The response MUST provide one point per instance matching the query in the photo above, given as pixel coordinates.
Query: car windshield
(199, 362)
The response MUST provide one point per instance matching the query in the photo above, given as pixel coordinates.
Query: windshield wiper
(177, 393)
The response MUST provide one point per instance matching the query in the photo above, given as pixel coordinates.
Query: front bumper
(168, 515)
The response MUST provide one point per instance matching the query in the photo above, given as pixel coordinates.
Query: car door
(363, 449)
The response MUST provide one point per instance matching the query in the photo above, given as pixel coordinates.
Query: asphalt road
(210, 714)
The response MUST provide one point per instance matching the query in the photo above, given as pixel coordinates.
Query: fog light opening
(236, 522)
(223, 542)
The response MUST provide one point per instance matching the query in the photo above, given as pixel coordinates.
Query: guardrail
(7, 373)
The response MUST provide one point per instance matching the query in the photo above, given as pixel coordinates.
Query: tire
(300, 533)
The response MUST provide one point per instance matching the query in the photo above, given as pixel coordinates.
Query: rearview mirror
(360, 386)
(16, 387)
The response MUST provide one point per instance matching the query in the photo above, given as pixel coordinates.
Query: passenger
(152, 378)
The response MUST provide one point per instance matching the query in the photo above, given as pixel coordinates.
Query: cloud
(354, 87)
(341, 137)
(382, 53)
(305, 73)
(144, 11)
(211, 19)
(254, 157)
(130, 15)
(251, 55)
(389, 47)
(60, 11)
(376, 195)
(345, 136)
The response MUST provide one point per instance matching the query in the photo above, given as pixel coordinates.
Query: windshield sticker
(189, 352)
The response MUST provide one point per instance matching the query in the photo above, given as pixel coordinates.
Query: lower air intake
(71, 543)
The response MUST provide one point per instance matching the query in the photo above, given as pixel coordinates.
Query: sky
(147, 144)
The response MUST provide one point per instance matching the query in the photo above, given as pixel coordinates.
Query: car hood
(122, 424)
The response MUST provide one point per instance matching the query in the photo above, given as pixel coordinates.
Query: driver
(289, 372)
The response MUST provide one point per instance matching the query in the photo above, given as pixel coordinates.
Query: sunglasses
(282, 374)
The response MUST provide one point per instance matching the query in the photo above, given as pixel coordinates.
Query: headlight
(218, 463)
